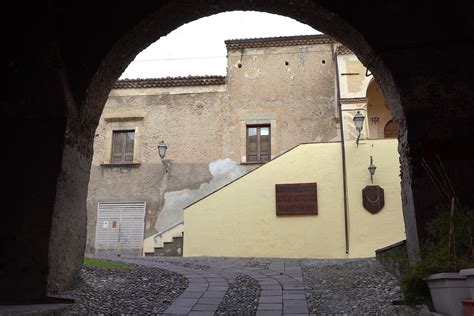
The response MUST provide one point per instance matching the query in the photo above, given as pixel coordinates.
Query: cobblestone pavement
(281, 286)
(137, 291)
(359, 286)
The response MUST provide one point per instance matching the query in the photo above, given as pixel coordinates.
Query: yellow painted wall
(240, 219)
(369, 232)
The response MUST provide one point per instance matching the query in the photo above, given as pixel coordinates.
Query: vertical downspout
(343, 148)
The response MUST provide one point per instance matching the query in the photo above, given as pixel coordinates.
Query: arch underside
(61, 70)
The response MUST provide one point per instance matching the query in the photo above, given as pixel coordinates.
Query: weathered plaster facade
(181, 119)
(241, 220)
(291, 87)
(288, 83)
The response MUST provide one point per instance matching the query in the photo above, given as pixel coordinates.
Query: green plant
(106, 264)
(413, 286)
(447, 248)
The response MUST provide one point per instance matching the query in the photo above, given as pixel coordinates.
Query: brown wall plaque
(296, 199)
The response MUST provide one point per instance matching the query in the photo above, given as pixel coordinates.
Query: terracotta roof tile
(279, 41)
(343, 50)
(169, 82)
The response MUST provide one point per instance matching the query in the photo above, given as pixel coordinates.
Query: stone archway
(148, 30)
(378, 112)
(59, 82)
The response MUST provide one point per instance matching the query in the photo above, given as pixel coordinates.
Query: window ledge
(123, 119)
(120, 165)
(253, 163)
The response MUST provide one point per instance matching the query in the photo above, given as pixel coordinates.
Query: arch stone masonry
(61, 59)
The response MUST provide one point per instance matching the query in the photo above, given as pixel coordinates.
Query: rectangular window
(122, 146)
(258, 143)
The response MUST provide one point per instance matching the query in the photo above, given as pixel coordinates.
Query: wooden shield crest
(373, 198)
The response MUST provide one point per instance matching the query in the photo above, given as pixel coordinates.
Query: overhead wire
(211, 57)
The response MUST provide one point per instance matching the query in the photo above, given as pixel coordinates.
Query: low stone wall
(393, 258)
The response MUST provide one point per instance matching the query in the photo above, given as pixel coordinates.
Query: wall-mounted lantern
(372, 168)
(359, 124)
(162, 147)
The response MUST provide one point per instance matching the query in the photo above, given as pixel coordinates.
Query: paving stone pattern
(191, 265)
(329, 287)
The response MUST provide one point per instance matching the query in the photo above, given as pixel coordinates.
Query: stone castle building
(278, 93)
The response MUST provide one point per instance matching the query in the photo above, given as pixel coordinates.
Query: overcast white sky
(198, 48)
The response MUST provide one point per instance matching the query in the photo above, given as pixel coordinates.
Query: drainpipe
(343, 150)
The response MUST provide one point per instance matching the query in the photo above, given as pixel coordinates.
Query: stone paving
(138, 290)
(283, 291)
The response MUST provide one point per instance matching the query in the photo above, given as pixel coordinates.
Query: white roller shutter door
(120, 225)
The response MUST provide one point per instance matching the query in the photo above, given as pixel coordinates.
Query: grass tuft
(106, 264)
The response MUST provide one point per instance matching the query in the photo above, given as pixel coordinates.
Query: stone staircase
(172, 248)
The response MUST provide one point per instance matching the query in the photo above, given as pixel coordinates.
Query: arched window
(390, 130)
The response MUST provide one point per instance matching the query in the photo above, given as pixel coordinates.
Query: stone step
(170, 249)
